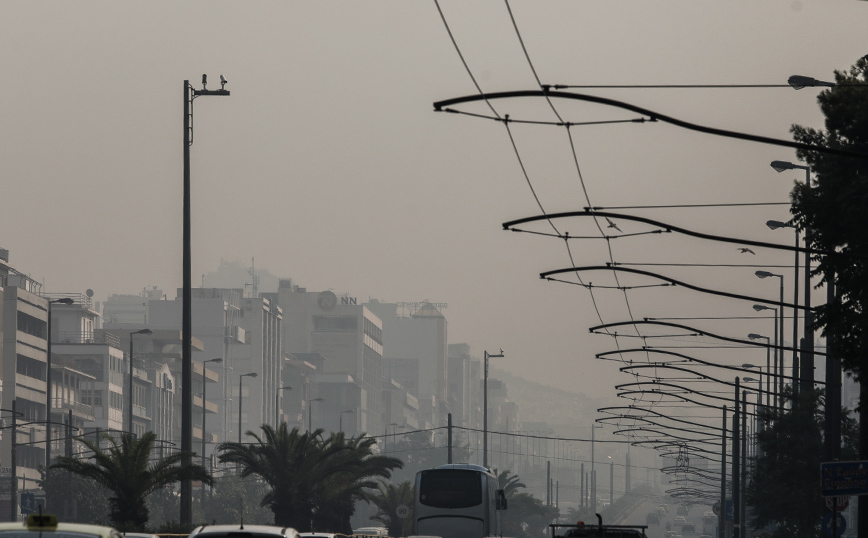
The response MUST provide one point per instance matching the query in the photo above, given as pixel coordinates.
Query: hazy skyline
(328, 165)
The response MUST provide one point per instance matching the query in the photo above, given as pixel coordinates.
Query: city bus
(458, 500)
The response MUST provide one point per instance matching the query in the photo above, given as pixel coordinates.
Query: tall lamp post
(593, 488)
(186, 515)
(780, 166)
(310, 412)
(775, 225)
(145, 332)
(241, 399)
(277, 413)
(341, 418)
(48, 391)
(487, 356)
(780, 312)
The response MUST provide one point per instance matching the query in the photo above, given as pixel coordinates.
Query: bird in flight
(744, 250)
(612, 224)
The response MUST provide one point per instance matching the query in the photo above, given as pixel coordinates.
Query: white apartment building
(346, 333)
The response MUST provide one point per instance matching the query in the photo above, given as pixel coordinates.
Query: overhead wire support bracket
(439, 105)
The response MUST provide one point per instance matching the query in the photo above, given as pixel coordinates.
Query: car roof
(243, 530)
(97, 530)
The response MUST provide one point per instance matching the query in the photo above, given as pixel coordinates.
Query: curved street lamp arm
(545, 276)
(698, 331)
(440, 105)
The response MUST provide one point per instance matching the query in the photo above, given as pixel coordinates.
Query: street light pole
(310, 412)
(780, 312)
(277, 413)
(145, 332)
(341, 418)
(774, 225)
(48, 389)
(593, 485)
(487, 356)
(240, 399)
(186, 515)
(808, 349)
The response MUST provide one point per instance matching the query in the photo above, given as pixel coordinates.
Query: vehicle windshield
(450, 488)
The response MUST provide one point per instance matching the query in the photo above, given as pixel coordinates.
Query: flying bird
(612, 224)
(745, 250)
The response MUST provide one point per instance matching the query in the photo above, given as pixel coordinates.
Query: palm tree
(126, 470)
(509, 484)
(387, 500)
(293, 465)
(336, 497)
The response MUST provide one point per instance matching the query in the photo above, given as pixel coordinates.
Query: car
(688, 528)
(321, 535)
(679, 520)
(652, 518)
(242, 531)
(668, 534)
(371, 531)
(47, 526)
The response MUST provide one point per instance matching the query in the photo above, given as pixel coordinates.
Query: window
(30, 367)
(32, 326)
(450, 488)
(335, 323)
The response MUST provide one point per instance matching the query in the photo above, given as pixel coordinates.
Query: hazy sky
(328, 165)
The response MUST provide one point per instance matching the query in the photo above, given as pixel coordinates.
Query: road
(694, 516)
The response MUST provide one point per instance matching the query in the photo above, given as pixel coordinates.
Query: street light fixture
(145, 332)
(310, 412)
(48, 390)
(808, 350)
(800, 81)
(277, 413)
(240, 399)
(186, 512)
(775, 225)
(341, 419)
(780, 324)
(485, 408)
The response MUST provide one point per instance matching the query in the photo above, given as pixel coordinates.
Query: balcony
(141, 412)
(79, 409)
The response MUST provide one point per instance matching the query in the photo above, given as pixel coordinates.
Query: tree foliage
(525, 515)
(74, 498)
(784, 488)
(310, 478)
(387, 500)
(835, 207)
(128, 470)
(336, 497)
